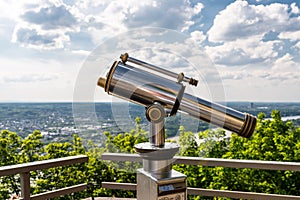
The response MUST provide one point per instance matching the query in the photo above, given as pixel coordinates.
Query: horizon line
(232, 101)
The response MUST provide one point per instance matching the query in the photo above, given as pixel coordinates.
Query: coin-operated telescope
(162, 93)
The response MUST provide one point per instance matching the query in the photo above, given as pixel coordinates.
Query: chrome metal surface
(157, 161)
(157, 133)
(151, 188)
(151, 152)
(145, 88)
(241, 123)
(156, 116)
(140, 87)
(158, 168)
(179, 77)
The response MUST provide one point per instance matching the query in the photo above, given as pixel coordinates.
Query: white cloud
(11, 9)
(242, 20)
(39, 39)
(39, 79)
(297, 45)
(198, 36)
(52, 17)
(290, 35)
(81, 52)
(246, 42)
(44, 26)
(241, 32)
(295, 8)
(234, 74)
(286, 63)
(48, 24)
(270, 84)
(243, 51)
(281, 71)
(29, 78)
(285, 70)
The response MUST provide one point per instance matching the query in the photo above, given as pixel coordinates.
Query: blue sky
(254, 45)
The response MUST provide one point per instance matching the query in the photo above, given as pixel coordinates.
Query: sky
(253, 47)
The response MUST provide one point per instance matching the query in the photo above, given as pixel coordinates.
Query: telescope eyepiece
(101, 82)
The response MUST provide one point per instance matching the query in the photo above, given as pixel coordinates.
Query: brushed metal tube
(157, 133)
(144, 88)
(156, 116)
(158, 168)
(140, 87)
(241, 123)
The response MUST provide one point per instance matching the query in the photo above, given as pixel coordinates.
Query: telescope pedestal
(151, 188)
(157, 180)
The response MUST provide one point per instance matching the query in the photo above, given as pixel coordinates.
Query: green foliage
(10, 144)
(214, 143)
(9, 148)
(124, 142)
(188, 144)
(273, 140)
(32, 147)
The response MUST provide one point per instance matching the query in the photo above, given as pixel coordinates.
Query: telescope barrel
(241, 123)
(145, 88)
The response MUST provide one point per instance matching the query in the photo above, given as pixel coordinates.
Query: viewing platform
(25, 169)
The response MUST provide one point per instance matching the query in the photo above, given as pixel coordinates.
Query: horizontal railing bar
(213, 162)
(239, 194)
(59, 192)
(121, 157)
(39, 165)
(117, 186)
(235, 163)
(209, 192)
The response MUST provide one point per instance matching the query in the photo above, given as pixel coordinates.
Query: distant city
(58, 121)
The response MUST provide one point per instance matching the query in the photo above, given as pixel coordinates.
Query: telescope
(162, 93)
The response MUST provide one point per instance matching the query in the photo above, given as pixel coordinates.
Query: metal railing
(215, 162)
(25, 169)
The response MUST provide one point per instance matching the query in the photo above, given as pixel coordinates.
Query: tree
(64, 176)
(273, 140)
(32, 147)
(9, 154)
(124, 142)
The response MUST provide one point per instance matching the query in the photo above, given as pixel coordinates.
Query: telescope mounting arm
(156, 114)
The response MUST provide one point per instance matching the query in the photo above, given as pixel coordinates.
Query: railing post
(25, 186)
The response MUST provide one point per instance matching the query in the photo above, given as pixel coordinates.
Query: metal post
(25, 186)
(157, 133)
(157, 180)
